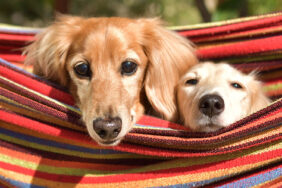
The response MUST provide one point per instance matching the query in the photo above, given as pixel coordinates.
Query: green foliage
(257, 7)
(228, 9)
(26, 12)
(178, 12)
(175, 12)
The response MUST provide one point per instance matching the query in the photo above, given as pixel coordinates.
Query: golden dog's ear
(170, 55)
(48, 52)
(258, 97)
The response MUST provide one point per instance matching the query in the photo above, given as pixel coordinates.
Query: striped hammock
(44, 144)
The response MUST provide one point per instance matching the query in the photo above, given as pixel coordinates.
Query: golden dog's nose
(107, 128)
(211, 105)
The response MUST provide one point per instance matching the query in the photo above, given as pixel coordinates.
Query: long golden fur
(110, 48)
(212, 96)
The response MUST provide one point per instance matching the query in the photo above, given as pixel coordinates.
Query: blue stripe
(256, 180)
(19, 184)
(57, 144)
(247, 182)
(195, 184)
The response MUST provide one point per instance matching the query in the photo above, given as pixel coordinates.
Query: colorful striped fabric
(43, 143)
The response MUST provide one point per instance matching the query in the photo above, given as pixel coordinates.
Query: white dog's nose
(211, 105)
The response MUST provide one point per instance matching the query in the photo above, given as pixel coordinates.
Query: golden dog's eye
(82, 69)
(128, 68)
(236, 85)
(191, 82)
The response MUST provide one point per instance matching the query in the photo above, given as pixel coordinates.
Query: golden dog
(112, 66)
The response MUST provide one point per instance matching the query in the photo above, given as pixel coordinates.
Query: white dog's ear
(48, 52)
(170, 55)
(258, 98)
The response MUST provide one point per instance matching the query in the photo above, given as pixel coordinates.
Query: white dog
(211, 96)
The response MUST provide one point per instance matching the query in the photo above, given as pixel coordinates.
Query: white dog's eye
(191, 82)
(236, 85)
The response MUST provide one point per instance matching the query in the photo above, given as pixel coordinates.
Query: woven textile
(43, 143)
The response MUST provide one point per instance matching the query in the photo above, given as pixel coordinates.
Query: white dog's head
(212, 96)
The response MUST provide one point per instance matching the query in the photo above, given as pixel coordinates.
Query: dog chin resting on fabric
(113, 67)
(212, 96)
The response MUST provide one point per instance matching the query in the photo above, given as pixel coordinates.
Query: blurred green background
(39, 13)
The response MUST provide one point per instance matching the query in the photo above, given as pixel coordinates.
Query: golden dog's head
(108, 64)
(212, 96)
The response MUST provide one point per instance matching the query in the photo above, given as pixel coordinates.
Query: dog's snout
(108, 128)
(211, 105)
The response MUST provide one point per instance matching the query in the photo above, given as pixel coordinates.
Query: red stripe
(171, 172)
(274, 82)
(13, 37)
(10, 48)
(36, 85)
(12, 57)
(241, 48)
(229, 28)
(244, 34)
(156, 122)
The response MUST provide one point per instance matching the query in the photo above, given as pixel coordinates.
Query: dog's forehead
(105, 36)
(210, 70)
(112, 42)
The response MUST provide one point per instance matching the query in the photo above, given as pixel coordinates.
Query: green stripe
(273, 87)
